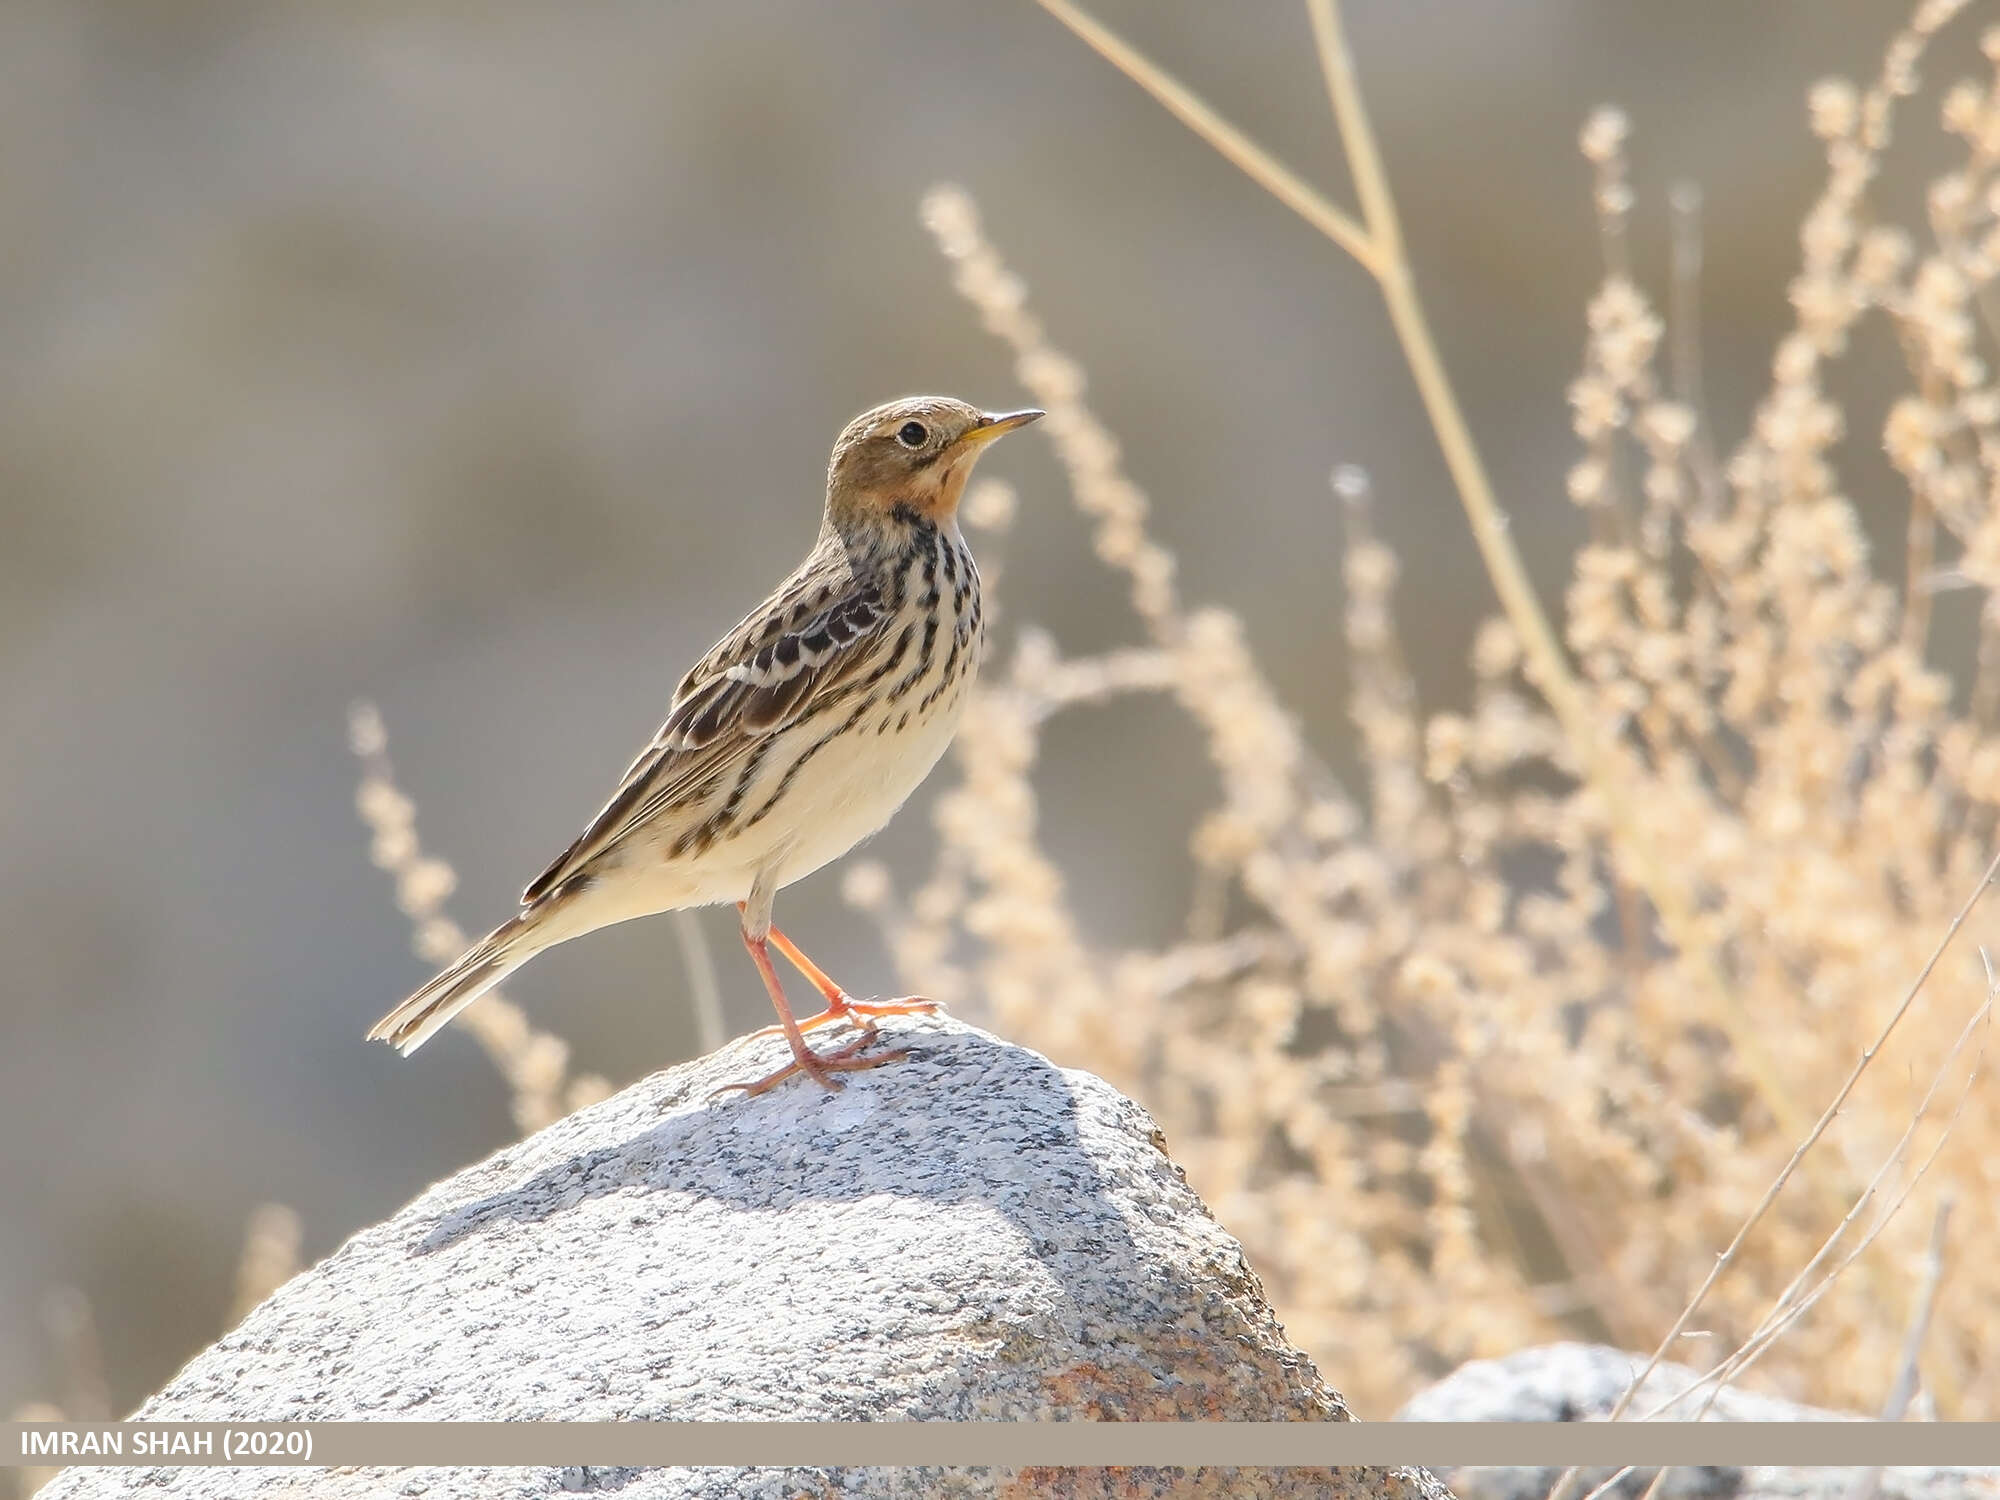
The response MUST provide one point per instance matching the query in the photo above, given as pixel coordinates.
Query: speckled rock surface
(969, 1234)
(1582, 1382)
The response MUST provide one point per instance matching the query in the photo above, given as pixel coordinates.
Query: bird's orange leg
(841, 1006)
(818, 1066)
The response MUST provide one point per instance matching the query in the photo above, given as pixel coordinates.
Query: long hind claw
(819, 1066)
(906, 1005)
(867, 1011)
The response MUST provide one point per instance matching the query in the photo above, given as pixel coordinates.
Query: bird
(798, 735)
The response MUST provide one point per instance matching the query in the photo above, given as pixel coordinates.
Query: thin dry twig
(1869, 1482)
(1656, 1484)
(1612, 1483)
(1790, 1306)
(1280, 181)
(1798, 1155)
(1789, 1310)
(1909, 1372)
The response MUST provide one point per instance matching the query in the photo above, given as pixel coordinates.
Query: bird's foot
(818, 1066)
(845, 1007)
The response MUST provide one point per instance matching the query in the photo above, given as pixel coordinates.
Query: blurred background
(483, 360)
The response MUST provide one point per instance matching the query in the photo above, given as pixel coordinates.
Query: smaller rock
(1583, 1382)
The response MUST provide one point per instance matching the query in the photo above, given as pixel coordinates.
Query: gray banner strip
(1002, 1444)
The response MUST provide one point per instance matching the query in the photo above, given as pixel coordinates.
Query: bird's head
(907, 461)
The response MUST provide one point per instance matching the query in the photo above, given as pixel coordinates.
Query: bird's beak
(994, 424)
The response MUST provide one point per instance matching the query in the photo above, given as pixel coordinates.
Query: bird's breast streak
(859, 780)
(824, 783)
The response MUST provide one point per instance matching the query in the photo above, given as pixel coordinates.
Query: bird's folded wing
(769, 672)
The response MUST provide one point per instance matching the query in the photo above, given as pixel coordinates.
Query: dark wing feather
(760, 677)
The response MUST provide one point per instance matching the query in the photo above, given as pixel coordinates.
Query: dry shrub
(1431, 1049)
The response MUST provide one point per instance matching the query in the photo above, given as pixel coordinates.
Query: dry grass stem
(1796, 1300)
(704, 989)
(534, 1063)
(1909, 1369)
(271, 1243)
(1280, 181)
(1819, 1128)
(1617, 1476)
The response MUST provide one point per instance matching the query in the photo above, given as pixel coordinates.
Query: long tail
(485, 964)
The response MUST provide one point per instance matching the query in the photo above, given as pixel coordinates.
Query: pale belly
(855, 786)
(846, 791)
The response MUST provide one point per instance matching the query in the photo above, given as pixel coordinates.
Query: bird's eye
(912, 434)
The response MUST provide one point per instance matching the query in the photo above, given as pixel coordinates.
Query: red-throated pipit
(798, 735)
